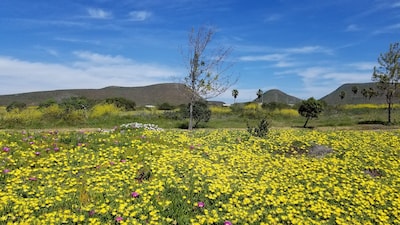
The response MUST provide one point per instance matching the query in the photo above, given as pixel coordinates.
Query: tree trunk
(190, 127)
(389, 113)
(305, 124)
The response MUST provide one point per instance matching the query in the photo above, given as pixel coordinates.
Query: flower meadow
(138, 176)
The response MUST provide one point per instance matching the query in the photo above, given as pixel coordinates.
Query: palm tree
(235, 93)
(260, 94)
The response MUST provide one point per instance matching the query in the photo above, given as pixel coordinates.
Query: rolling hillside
(171, 93)
(353, 98)
(176, 94)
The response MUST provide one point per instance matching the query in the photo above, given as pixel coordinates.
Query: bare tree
(207, 70)
(387, 75)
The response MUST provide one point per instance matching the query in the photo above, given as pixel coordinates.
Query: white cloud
(90, 70)
(307, 50)
(323, 80)
(99, 13)
(388, 29)
(396, 4)
(268, 57)
(352, 27)
(273, 18)
(140, 15)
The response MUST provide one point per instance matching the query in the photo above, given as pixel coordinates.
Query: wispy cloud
(396, 5)
(88, 70)
(323, 80)
(273, 18)
(308, 50)
(140, 15)
(99, 13)
(352, 27)
(267, 57)
(388, 29)
(74, 40)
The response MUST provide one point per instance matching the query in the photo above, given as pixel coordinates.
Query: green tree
(342, 95)
(76, 103)
(354, 89)
(207, 71)
(310, 108)
(235, 93)
(200, 112)
(387, 76)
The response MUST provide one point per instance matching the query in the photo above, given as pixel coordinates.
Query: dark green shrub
(166, 106)
(76, 103)
(122, 103)
(47, 103)
(172, 115)
(261, 130)
(201, 112)
(16, 105)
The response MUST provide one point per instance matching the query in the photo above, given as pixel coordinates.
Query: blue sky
(305, 48)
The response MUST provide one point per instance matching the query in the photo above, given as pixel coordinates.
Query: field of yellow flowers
(137, 176)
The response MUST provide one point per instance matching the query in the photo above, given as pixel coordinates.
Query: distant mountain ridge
(172, 93)
(176, 94)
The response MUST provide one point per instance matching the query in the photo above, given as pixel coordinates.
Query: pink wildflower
(118, 219)
(135, 194)
(200, 204)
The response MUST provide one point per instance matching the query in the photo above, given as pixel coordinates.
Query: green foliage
(52, 112)
(275, 106)
(166, 106)
(104, 110)
(387, 75)
(76, 103)
(261, 130)
(201, 112)
(16, 105)
(122, 103)
(253, 111)
(310, 108)
(47, 103)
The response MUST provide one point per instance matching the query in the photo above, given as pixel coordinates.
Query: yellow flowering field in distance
(201, 177)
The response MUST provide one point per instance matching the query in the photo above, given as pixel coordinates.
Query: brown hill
(172, 93)
(353, 98)
(275, 95)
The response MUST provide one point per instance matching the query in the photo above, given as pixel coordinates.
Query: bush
(254, 111)
(201, 112)
(74, 117)
(104, 110)
(172, 115)
(261, 130)
(52, 112)
(16, 105)
(122, 103)
(18, 118)
(166, 106)
(47, 103)
(275, 106)
(76, 103)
